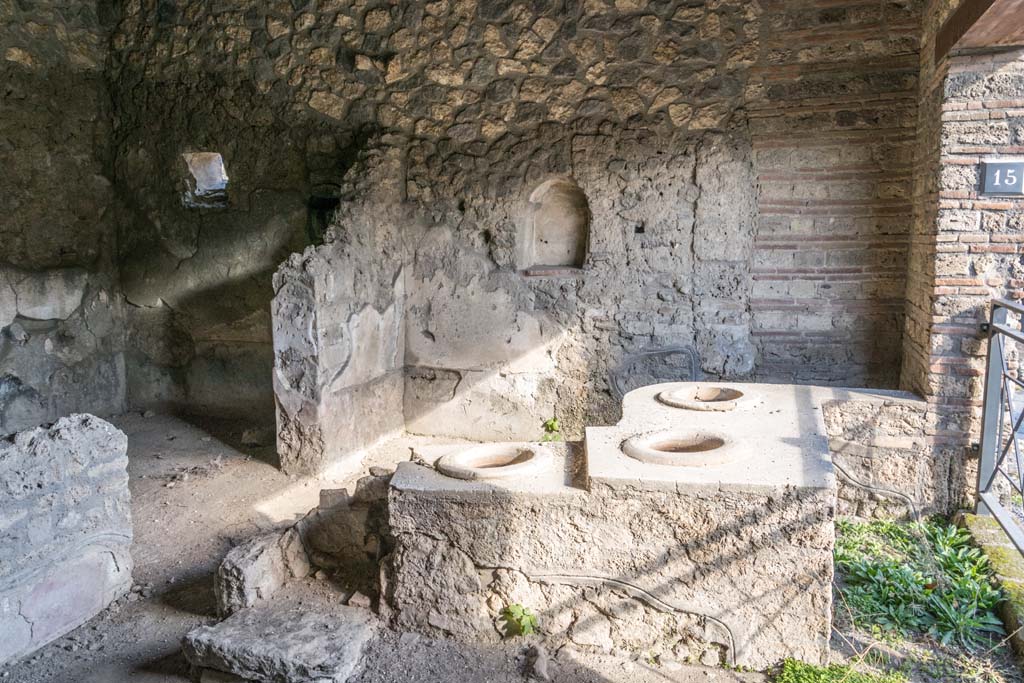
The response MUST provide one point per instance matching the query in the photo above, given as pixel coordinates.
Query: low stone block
(289, 642)
(65, 530)
(257, 568)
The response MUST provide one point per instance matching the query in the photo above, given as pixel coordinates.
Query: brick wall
(977, 239)
(833, 116)
(965, 249)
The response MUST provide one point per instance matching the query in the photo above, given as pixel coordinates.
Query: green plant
(799, 672)
(519, 620)
(925, 578)
(551, 430)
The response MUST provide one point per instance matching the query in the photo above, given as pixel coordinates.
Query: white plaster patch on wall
(47, 295)
(370, 347)
(485, 405)
(476, 326)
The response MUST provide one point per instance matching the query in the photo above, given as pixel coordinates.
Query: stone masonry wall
(507, 350)
(965, 248)
(197, 280)
(61, 317)
(888, 464)
(639, 103)
(65, 529)
(739, 577)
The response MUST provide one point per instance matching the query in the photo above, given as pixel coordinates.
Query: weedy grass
(519, 620)
(798, 672)
(901, 579)
(552, 430)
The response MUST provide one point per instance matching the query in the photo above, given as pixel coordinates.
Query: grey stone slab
(776, 436)
(286, 643)
(257, 568)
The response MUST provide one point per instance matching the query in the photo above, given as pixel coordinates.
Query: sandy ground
(195, 493)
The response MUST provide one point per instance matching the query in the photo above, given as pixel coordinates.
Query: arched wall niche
(556, 231)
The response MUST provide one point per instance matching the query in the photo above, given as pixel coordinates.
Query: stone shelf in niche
(554, 271)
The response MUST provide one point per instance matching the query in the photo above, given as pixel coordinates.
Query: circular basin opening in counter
(702, 398)
(680, 448)
(495, 461)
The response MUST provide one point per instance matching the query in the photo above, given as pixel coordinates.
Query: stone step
(284, 643)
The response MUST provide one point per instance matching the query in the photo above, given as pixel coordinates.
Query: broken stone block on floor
(257, 568)
(66, 530)
(348, 534)
(293, 642)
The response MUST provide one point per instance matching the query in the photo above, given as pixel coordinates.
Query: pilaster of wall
(965, 249)
(338, 319)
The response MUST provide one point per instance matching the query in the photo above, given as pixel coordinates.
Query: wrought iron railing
(1000, 466)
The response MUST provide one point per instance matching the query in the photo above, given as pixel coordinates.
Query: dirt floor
(195, 493)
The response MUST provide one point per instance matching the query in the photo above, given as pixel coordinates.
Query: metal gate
(1000, 468)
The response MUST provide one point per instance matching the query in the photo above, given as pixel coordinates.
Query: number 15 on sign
(1002, 177)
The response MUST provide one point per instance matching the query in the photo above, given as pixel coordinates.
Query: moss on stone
(1006, 561)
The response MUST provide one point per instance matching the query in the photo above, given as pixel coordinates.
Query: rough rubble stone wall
(640, 102)
(61, 316)
(65, 529)
(738, 577)
(339, 313)
(889, 466)
(669, 251)
(833, 103)
(965, 248)
(196, 76)
(198, 280)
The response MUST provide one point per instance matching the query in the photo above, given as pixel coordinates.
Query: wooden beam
(982, 23)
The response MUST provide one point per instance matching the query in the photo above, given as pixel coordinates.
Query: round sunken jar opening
(679, 448)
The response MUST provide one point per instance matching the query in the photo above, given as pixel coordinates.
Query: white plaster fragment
(50, 295)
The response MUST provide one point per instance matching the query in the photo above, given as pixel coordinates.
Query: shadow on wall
(212, 224)
(627, 568)
(514, 306)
